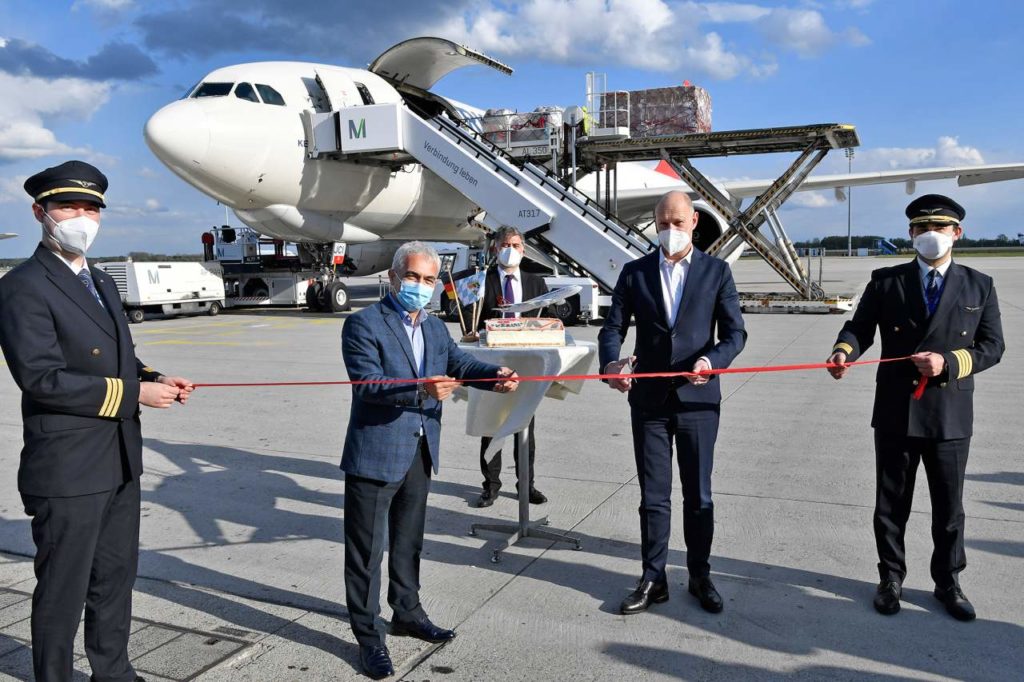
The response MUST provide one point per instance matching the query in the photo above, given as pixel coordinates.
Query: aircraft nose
(179, 135)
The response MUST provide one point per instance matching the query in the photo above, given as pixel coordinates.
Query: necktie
(510, 295)
(86, 279)
(932, 292)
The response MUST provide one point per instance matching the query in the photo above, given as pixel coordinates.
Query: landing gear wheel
(568, 311)
(313, 295)
(214, 309)
(337, 298)
(136, 315)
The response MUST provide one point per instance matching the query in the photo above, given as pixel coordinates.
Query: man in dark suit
(508, 283)
(678, 297)
(66, 341)
(946, 318)
(392, 444)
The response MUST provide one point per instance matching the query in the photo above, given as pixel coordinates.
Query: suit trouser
(694, 428)
(492, 470)
(945, 461)
(379, 513)
(87, 551)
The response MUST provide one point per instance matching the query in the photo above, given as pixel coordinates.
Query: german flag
(449, 288)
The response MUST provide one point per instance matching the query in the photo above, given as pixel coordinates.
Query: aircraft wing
(637, 202)
(421, 62)
(7, 235)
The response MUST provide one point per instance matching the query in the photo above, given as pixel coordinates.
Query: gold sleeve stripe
(965, 362)
(112, 403)
(148, 369)
(845, 347)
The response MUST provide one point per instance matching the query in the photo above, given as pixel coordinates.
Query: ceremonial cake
(524, 331)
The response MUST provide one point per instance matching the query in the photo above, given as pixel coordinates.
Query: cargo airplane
(238, 136)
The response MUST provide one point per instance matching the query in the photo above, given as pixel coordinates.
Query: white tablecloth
(502, 414)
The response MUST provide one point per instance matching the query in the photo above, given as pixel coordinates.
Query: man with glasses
(393, 444)
(945, 317)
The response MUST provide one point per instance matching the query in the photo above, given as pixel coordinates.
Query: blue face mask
(414, 296)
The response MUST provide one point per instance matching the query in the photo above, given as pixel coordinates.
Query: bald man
(679, 297)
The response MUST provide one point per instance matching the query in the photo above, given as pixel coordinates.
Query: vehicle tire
(568, 311)
(261, 293)
(313, 293)
(214, 309)
(449, 309)
(136, 315)
(337, 298)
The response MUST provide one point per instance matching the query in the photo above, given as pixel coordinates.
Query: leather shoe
(422, 629)
(704, 590)
(487, 498)
(956, 603)
(887, 597)
(537, 497)
(646, 593)
(376, 662)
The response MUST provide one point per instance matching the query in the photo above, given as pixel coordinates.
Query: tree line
(869, 242)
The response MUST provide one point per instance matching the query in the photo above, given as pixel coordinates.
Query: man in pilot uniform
(66, 341)
(946, 318)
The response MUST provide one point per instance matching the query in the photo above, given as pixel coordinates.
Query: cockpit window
(213, 90)
(189, 91)
(245, 91)
(270, 95)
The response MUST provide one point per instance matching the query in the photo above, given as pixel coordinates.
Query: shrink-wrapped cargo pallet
(668, 111)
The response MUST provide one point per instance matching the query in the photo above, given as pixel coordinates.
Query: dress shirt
(925, 269)
(517, 285)
(673, 279)
(412, 330)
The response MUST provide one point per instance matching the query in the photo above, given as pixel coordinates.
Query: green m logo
(356, 131)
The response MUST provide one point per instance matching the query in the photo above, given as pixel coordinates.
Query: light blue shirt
(412, 330)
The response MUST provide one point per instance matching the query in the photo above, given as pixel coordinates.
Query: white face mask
(74, 235)
(933, 245)
(510, 257)
(674, 241)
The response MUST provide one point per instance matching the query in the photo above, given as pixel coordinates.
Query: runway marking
(186, 342)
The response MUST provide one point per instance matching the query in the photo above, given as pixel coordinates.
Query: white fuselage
(251, 156)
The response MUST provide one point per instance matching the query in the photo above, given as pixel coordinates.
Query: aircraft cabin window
(364, 93)
(270, 95)
(213, 90)
(245, 91)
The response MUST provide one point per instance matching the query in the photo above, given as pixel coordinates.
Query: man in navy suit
(393, 444)
(679, 297)
(67, 344)
(945, 317)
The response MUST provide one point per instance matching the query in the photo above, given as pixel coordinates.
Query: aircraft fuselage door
(339, 88)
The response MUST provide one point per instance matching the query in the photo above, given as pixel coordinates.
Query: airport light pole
(849, 204)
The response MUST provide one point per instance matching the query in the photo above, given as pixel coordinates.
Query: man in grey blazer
(393, 444)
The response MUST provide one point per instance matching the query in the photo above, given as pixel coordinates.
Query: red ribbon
(579, 377)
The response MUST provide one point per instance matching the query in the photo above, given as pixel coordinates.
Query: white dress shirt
(517, 286)
(925, 269)
(673, 279)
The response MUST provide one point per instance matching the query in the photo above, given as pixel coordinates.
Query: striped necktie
(933, 291)
(86, 279)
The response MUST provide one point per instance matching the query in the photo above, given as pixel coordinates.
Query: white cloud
(809, 200)
(152, 205)
(803, 31)
(106, 5)
(12, 190)
(947, 152)
(30, 103)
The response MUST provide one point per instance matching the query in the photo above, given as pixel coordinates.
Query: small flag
(449, 288)
(471, 289)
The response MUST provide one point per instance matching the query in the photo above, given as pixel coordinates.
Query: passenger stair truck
(167, 288)
(565, 224)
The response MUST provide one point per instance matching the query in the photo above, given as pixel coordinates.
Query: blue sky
(926, 83)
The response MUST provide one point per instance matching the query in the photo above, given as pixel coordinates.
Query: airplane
(239, 136)
(7, 235)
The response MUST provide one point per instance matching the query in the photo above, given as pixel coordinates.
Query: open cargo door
(421, 62)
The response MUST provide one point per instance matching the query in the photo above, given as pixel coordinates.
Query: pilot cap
(70, 181)
(935, 208)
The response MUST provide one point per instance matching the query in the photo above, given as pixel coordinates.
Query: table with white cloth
(500, 415)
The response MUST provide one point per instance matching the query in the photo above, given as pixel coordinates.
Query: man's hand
(929, 364)
(623, 366)
(183, 385)
(839, 368)
(157, 394)
(511, 382)
(700, 366)
(442, 388)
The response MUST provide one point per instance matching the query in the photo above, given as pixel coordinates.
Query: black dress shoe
(704, 590)
(422, 629)
(487, 498)
(646, 593)
(376, 662)
(537, 497)
(887, 597)
(956, 603)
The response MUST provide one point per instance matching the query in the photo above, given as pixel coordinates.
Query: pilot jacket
(935, 429)
(393, 442)
(674, 411)
(75, 364)
(965, 329)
